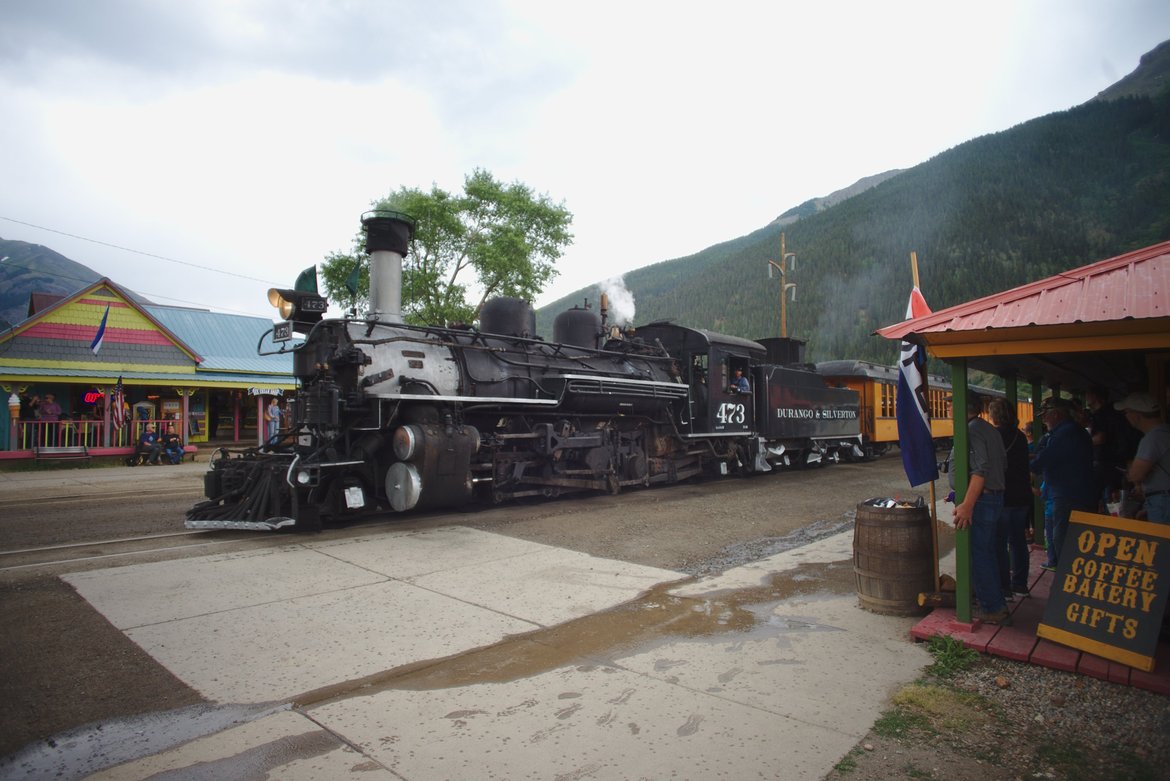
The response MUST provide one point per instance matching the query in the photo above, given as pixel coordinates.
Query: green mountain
(996, 212)
(30, 268)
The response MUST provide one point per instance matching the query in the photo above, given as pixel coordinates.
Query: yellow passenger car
(877, 386)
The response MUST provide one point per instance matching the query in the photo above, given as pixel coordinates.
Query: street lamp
(783, 268)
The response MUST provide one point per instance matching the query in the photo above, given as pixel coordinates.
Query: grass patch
(938, 709)
(900, 722)
(848, 763)
(950, 656)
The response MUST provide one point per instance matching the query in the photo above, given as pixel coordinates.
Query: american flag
(117, 404)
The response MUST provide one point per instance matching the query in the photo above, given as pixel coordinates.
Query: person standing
(982, 512)
(1067, 465)
(272, 420)
(49, 413)
(1017, 495)
(49, 410)
(1114, 442)
(1151, 464)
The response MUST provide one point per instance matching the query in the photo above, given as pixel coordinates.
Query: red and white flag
(117, 406)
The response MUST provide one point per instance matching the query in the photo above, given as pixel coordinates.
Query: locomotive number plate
(730, 413)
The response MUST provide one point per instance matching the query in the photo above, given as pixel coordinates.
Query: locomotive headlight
(302, 305)
(282, 304)
(304, 477)
(301, 308)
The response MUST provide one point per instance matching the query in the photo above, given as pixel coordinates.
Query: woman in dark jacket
(1017, 497)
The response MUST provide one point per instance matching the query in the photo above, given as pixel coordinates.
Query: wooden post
(783, 289)
(926, 382)
(1037, 432)
(961, 470)
(782, 267)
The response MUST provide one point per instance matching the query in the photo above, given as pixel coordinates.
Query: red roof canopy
(1100, 324)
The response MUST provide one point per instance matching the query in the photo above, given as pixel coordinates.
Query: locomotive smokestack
(388, 236)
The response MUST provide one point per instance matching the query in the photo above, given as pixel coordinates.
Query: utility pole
(785, 285)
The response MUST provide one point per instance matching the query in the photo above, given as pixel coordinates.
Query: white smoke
(621, 301)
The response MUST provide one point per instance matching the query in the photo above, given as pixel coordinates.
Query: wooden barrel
(893, 552)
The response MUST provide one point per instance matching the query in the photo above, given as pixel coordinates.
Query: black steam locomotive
(395, 417)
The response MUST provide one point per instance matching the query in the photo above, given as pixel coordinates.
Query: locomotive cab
(709, 361)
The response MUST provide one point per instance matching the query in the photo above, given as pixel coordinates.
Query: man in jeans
(1067, 465)
(982, 512)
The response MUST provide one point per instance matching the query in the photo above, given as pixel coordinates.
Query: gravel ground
(1001, 720)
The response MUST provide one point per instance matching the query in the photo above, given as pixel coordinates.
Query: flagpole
(933, 507)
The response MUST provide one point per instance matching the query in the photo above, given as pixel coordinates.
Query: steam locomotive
(391, 417)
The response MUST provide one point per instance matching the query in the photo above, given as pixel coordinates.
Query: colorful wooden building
(194, 369)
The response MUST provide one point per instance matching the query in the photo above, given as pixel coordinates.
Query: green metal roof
(227, 343)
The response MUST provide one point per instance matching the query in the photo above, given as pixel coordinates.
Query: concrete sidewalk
(511, 660)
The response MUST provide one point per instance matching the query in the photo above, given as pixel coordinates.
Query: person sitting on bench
(172, 445)
(149, 446)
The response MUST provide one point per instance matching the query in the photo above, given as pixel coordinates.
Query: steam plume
(621, 301)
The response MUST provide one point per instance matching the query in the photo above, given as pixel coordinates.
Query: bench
(61, 453)
(134, 459)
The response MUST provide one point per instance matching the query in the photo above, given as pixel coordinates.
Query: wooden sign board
(1110, 590)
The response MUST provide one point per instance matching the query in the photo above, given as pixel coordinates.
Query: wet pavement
(457, 653)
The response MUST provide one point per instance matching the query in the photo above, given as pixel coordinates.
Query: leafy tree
(494, 239)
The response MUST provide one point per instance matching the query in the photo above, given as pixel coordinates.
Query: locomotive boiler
(392, 417)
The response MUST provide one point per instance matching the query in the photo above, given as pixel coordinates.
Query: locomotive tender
(395, 417)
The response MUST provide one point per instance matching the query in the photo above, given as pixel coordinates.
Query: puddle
(654, 619)
(258, 761)
(85, 750)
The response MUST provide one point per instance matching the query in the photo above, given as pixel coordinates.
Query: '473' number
(730, 413)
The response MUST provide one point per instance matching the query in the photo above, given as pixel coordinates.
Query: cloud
(251, 134)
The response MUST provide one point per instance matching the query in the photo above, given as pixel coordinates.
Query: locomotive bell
(388, 236)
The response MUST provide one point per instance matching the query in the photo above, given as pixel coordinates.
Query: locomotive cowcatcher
(391, 417)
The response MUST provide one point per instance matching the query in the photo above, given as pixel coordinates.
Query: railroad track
(52, 501)
(113, 549)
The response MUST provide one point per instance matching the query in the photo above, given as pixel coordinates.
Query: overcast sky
(221, 147)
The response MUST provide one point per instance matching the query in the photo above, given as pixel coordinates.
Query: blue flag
(914, 439)
(96, 344)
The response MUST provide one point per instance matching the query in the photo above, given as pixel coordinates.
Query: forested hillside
(30, 268)
(1052, 194)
